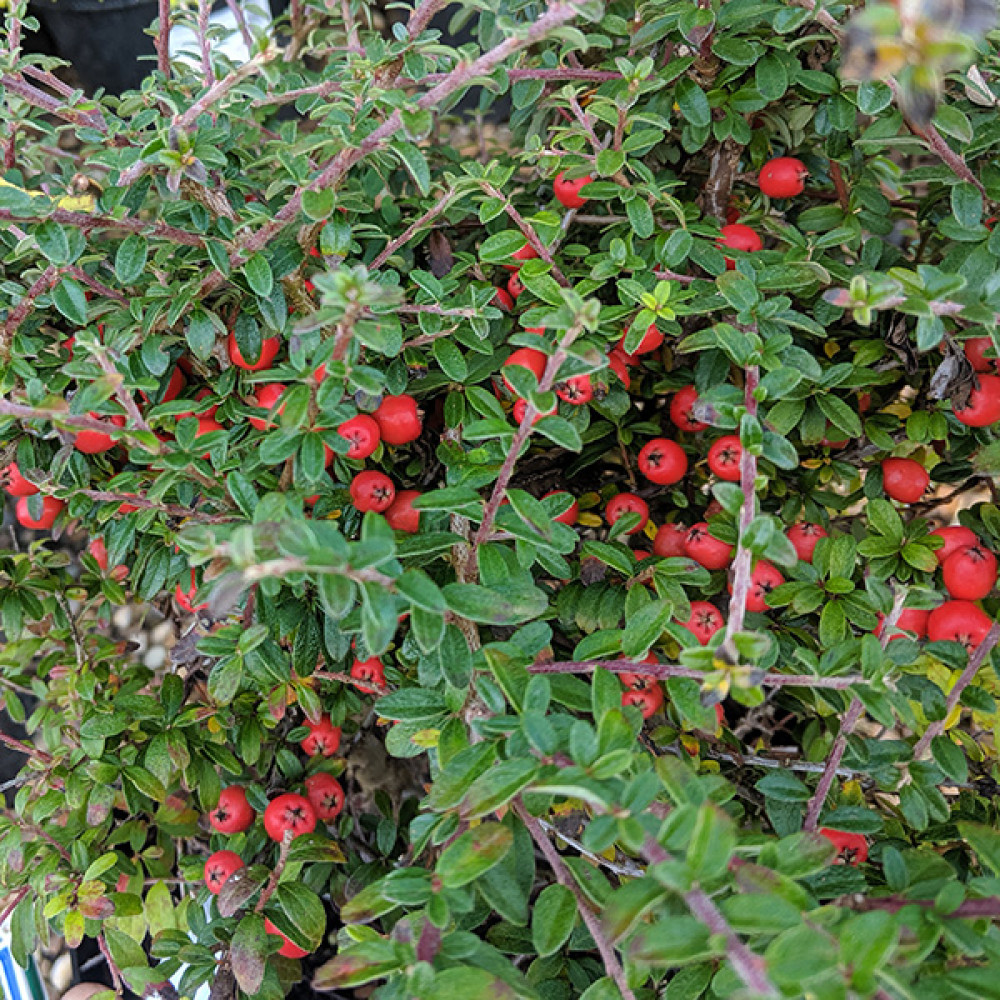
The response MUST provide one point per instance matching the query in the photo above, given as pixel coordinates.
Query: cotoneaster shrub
(612, 496)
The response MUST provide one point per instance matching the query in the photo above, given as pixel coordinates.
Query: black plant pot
(103, 39)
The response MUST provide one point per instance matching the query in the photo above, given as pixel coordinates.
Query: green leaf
(415, 163)
(71, 300)
(506, 604)
(258, 275)
(560, 432)
(645, 627)
(984, 840)
(130, 261)
(553, 919)
(966, 204)
(693, 103)
(298, 913)
(411, 705)
(783, 786)
(473, 853)
(53, 242)
(885, 520)
(248, 953)
(713, 841)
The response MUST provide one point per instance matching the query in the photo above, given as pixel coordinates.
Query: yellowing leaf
(590, 520)
(78, 202)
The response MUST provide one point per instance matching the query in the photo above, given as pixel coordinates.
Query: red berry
(372, 490)
(706, 619)
(663, 461)
(96, 442)
(904, 479)
(739, 237)
(268, 352)
(99, 551)
(233, 814)
(852, 848)
(648, 700)
(567, 190)
(955, 537)
(369, 670)
(627, 503)
(783, 177)
(514, 286)
(521, 407)
(363, 433)
(288, 949)
(265, 397)
(983, 405)
(503, 300)
(705, 549)
(804, 537)
(207, 425)
(571, 513)
(323, 739)
(911, 620)
(618, 362)
(527, 357)
(527, 252)
(204, 394)
(327, 797)
(724, 458)
(651, 340)
(975, 349)
(959, 621)
(669, 541)
(289, 812)
(764, 579)
(680, 410)
(17, 485)
(398, 419)
(185, 598)
(401, 514)
(127, 508)
(575, 390)
(175, 386)
(970, 573)
(219, 867)
(50, 511)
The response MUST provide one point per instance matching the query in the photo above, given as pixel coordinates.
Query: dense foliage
(424, 634)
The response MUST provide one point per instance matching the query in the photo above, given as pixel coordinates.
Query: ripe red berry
(783, 177)
(207, 425)
(983, 405)
(401, 514)
(527, 252)
(627, 503)
(233, 814)
(651, 340)
(372, 490)
(669, 541)
(764, 579)
(363, 433)
(706, 619)
(17, 485)
(175, 386)
(970, 573)
(638, 680)
(96, 442)
(515, 286)
(265, 396)
(571, 513)
(326, 795)
(648, 700)
(219, 867)
(185, 598)
(955, 537)
(975, 349)
(959, 621)
(51, 508)
(99, 551)
(739, 237)
(323, 739)
(289, 812)
(705, 549)
(503, 300)
(663, 461)
(680, 410)
(804, 537)
(576, 390)
(527, 357)
(904, 479)
(852, 848)
(268, 352)
(724, 458)
(567, 190)
(618, 362)
(398, 419)
(288, 949)
(911, 620)
(369, 670)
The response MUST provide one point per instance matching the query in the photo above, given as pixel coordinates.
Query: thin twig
(404, 237)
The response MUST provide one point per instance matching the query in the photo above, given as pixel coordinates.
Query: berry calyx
(576, 390)
(852, 848)
(705, 620)
(233, 814)
(368, 670)
(648, 700)
(764, 579)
